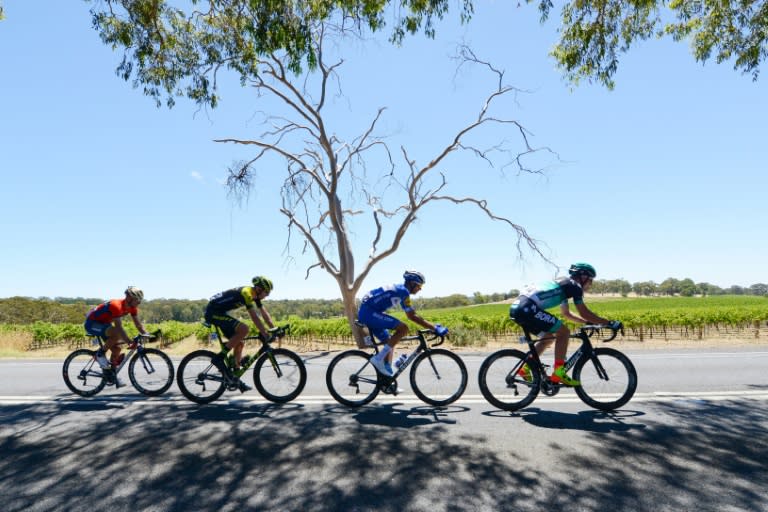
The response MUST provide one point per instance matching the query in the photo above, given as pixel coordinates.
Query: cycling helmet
(134, 293)
(582, 269)
(263, 283)
(415, 277)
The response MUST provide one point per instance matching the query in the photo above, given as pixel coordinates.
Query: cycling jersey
(377, 301)
(381, 299)
(529, 309)
(233, 299)
(552, 293)
(105, 313)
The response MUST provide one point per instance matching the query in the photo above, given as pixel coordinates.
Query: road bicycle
(149, 369)
(278, 373)
(438, 376)
(608, 378)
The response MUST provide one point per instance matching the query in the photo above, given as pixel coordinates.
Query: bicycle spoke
(351, 379)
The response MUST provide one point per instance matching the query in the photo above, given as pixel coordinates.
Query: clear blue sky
(662, 177)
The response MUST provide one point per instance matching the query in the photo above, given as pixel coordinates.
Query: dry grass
(14, 345)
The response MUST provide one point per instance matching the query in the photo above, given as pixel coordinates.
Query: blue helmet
(411, 276)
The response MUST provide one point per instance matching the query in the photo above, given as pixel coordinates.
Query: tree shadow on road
(231, 456)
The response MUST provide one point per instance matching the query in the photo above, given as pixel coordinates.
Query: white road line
(659, 396)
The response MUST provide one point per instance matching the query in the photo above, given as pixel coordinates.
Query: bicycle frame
(423, 346)
(134, 346)
(265, 347)
(585, 350)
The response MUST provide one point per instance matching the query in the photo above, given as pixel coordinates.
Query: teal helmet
(263, 283)
(582, 269)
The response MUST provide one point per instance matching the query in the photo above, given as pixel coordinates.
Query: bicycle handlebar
(424, 332)
(278, 332)
(591, 329)
(152, 336)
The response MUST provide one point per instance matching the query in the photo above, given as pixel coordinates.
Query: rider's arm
(589, 316)
(566, 312)
(267, 317)
(138, 324)
(257, 322)
(413, 317)
(118, 323)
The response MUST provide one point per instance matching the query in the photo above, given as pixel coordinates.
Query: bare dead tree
(327, 181)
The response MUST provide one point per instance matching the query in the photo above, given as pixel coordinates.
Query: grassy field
(646, 319)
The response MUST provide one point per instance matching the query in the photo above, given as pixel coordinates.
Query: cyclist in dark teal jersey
(529, 311)
(371, 313)
(250, 297)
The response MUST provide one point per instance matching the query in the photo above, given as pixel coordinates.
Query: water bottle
(401, 360)
(213, 337)
(368, 341)
(101, 359)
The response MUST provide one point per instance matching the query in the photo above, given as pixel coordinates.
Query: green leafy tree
(179, 48)
(687, 288)
(594, 33)
(670, 286)
(645, 288)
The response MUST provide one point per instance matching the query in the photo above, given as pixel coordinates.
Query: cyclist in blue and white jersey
(371, 313)
(529, 311)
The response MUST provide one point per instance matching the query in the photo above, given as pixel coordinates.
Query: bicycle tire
(499, 381)
(151, 372)
(438, 377)
(197, 369)
(351, 378)
(602, 394)
(283, 387)
(82, 374)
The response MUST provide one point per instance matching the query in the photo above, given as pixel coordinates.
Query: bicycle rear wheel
(438, 377)
(608, 379)
(351, 378)
(82, 374)
(280, 375)
(201, 376)
(151, 372)
(503, 386)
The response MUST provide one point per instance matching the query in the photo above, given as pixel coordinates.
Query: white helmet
(134, 293)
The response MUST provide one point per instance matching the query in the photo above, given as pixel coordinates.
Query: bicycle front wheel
(279, 375)
(608, 379)
(502, 383)
(201, 376)
(82, 374)
(351, 378)
(151, 372)
(438, 377)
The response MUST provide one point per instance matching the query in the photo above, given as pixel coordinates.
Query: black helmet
(263, 283)
(582, 269)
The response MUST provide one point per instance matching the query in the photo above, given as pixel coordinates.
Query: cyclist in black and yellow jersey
(217, 313)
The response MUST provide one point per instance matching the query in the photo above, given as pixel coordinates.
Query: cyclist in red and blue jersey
(250, 297)
(529, 311)
(105, 320)
(371, 313)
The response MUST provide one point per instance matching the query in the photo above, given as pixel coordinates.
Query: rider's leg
(400, 331)
(236, 342)
(561, 345)
(561, 348)
(112, 344)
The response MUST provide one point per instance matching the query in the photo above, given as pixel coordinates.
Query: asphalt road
(693, 438)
